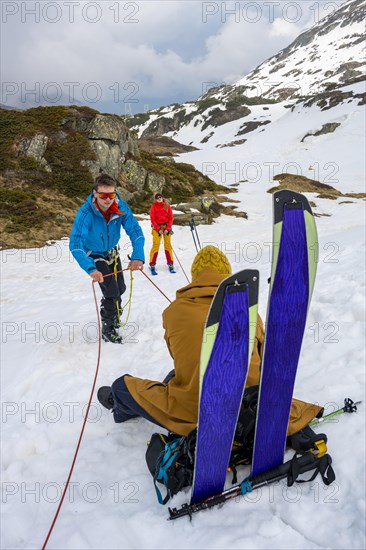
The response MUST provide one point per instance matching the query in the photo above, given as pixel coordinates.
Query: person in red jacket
(161, 217)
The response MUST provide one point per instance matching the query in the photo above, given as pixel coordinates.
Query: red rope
(156, 286)
(82, 429)
(89, 403)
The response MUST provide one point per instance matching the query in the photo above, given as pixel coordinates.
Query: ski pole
(290, 469)
(349, 407)
(195, 237)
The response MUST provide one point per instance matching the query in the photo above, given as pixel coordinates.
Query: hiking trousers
(125, 407)
(156, 245)
(112, 288)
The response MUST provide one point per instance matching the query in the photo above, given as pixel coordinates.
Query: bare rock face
(109, 158)
(155, 182)
(135, 173)
(302, 184)
(34, 147)
(163, 145)
(327, 128)
(111, 140)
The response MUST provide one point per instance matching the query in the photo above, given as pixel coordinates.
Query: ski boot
(171, 268)
(105, 397)
(110, 334)
(153, 270)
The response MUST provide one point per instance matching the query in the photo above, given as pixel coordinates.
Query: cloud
(283, 28)
(148, 52)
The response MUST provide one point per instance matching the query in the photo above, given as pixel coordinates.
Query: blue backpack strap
(163, 466)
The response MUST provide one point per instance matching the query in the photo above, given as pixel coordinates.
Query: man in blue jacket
(93, 243)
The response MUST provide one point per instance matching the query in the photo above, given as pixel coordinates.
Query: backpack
(170, 458)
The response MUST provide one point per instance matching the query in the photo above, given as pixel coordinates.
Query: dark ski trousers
(125, 407)
(112, 289)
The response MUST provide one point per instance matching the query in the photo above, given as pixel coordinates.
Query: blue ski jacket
(91, 235)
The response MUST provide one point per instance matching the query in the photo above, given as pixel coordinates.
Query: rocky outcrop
(163, 145)
(218, 117)
(50, 156)
(135, 174)
(34, 147)
(251, 126)
(155, 183)
(164, 124)
(111, 141)
(328, 128)
(302, 184)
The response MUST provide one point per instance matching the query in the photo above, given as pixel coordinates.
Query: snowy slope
(329, 53)
(319, 79)
(49, 355)
(47, 372)
(278, 147)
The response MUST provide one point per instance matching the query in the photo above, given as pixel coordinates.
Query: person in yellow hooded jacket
(173, 403)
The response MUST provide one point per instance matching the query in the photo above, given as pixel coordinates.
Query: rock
(163, 145)
(328, 128)
(136, 174)
(232, 143)
(167, 160)
(124, 194)
(207, 202)
(109, 158)
(250, 126)
(155, 182)
(43, 163)
(61, 218)
(207, 137)
(187, 207)
(106, 127)
(184, 219)
(218, 117)
(162, 125)
(111, 140)
(34, 147)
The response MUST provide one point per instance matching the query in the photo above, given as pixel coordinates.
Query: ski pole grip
(304, 463)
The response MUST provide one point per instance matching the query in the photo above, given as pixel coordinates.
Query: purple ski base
(284, 333)
(222, 390)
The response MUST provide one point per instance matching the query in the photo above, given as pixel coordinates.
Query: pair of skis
(228, 342)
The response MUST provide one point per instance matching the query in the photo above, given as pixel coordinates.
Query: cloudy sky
(127, 57)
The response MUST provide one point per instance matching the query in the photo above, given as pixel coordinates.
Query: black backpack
(170, 458)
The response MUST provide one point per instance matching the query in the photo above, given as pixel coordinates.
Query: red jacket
(161, 213)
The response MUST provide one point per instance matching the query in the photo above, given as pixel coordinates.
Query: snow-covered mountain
(331, 53)
(324, 66)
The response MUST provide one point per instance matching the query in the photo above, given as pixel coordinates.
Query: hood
(204, 285)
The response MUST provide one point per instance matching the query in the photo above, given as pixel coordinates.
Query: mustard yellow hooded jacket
(175, 405)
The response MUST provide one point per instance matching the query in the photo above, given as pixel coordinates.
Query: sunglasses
(107, 195)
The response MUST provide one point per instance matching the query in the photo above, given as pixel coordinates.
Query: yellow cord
(119, 312)
(129, 301)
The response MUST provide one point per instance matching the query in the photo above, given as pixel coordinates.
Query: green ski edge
(311, 240)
